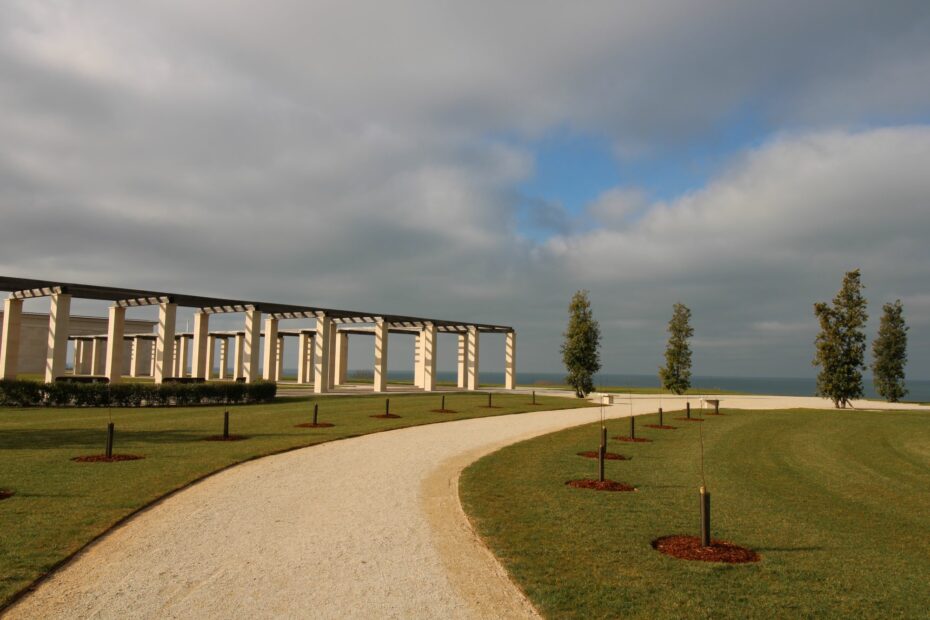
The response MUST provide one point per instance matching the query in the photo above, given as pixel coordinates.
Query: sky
(483, 161)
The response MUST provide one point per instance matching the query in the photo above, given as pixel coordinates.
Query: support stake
(110, 440)
(601, 454)
(632, 427)
(226, 424)
(688, 409)
(534, 397)
(316, 410)
(660, 417)
(387, 406)
(705, 517)
(443, 406)
(489, 400)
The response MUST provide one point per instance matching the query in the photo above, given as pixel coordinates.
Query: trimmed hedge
(17, 393)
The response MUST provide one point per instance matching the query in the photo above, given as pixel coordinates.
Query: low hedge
(17, 393)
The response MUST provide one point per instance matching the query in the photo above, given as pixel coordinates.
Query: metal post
(705, 517)
(316, 410)
(534, 397)
(110, 440)
(226, 424)
(717, 407)
(489, 399)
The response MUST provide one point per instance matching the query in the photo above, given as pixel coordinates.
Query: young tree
(580, 351)
(889, 353)
(841, 343)
(676, 375)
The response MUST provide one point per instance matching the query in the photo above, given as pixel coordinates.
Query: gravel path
(365, 527)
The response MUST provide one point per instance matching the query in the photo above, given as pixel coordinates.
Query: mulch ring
(689, 548)
(661, 427)
(103, 458)
(225, 438)
(443, 410)
(385, 416)
(632, 439)
(5, 494)
(490, 407)
(610, 456)
(312, 425)
(690, 419)
(597, 485)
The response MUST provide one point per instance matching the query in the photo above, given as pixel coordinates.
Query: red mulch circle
(610, 456)
(5, 494)
(443, 410)
(632, 439)
(221, 438)
(690, 419)
(312, 425)
(385, 416)
(597, 485)
(689, 548)
(661, 427)
(103, 458)
(490, 407)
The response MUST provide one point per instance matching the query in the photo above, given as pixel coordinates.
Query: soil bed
(103, 458)
(690, 419)
(5, 494)
(610, 456)
(661, 427)
(489, 407)
(226, 438)
(689, 548)
(312, 425)
(385, 416)
(443, 410)
(597, 485)
(632, 439)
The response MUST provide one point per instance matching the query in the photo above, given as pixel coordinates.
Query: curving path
(365, 527)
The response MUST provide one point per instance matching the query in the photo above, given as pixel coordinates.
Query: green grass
(60, 505)
(837, 504)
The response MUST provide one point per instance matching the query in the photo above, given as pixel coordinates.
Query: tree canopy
(840, 345)
(676, 374)
(889, 353)
(581, 348)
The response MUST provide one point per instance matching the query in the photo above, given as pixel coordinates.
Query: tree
(580, 351)
(676, 375)
(889, 353)
(841, 343)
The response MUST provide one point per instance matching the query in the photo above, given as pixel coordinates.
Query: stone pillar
(78, 354)
(303, 353)
(270, 361)
(201, 342)
(184, 347)
(510, 361)
(428, 357)
(164, 341)
(342, 358)
(211, 357)
(381, 355)
(250, 353)
(332, 356)
(239, 361)
(9, 340)
(57, 351)
(321, 360)
(176, 353)
(473, 357)
(463, 361)
(418, 361)
(98, 360)
(135, 358)
(279, 369)
(224, 357)
(116, 327)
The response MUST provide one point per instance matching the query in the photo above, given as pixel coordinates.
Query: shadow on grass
(85, 438)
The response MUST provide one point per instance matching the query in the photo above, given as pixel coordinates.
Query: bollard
(316, 410)
(489, 400)
(632, 427)
(110, 440)
(387, 406)
(534, 397)
(226, 424)
(660, 417)
(717, 407)
(443, 406)
(688, 409)
(705, 517)
(602, 454)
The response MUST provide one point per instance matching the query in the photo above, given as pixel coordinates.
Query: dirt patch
(103, 458)
(597, 485)
(225, 438)
(690, 419)
(714, 413)
(661, 427)
(443, 410)
(386, 416)
(312, 425)
(689, 548)
(490, 407)
(632, 439)
(5, 494)
(610, 456)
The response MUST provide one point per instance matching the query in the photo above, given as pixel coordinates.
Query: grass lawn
(836, 503)
(60, 505)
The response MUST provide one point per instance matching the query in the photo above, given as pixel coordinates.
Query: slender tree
(889, 353)
(580, 351)
(676, 374)
(841, 343)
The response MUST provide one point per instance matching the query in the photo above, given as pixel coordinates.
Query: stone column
(332, 356)
(279, 368)
(152, 359)
(9, 340)
(510, 361)
(98, 363)
(303, 353)
(239, 360)
(224, 357)
(164, 341)
(78, 354)
(463, 361)
(270, 362)
(184, 348)
(381, 355)
(211, 355)
(342, 358)
(176, 352)
(418, 361)
(428, 357)
(321, 360)
(473, 357)
(116, 327)
(136, 357)
(58, 320)
(250, 353)
(201, 342)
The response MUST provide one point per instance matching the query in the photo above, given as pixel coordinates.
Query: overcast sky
(481, 161)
